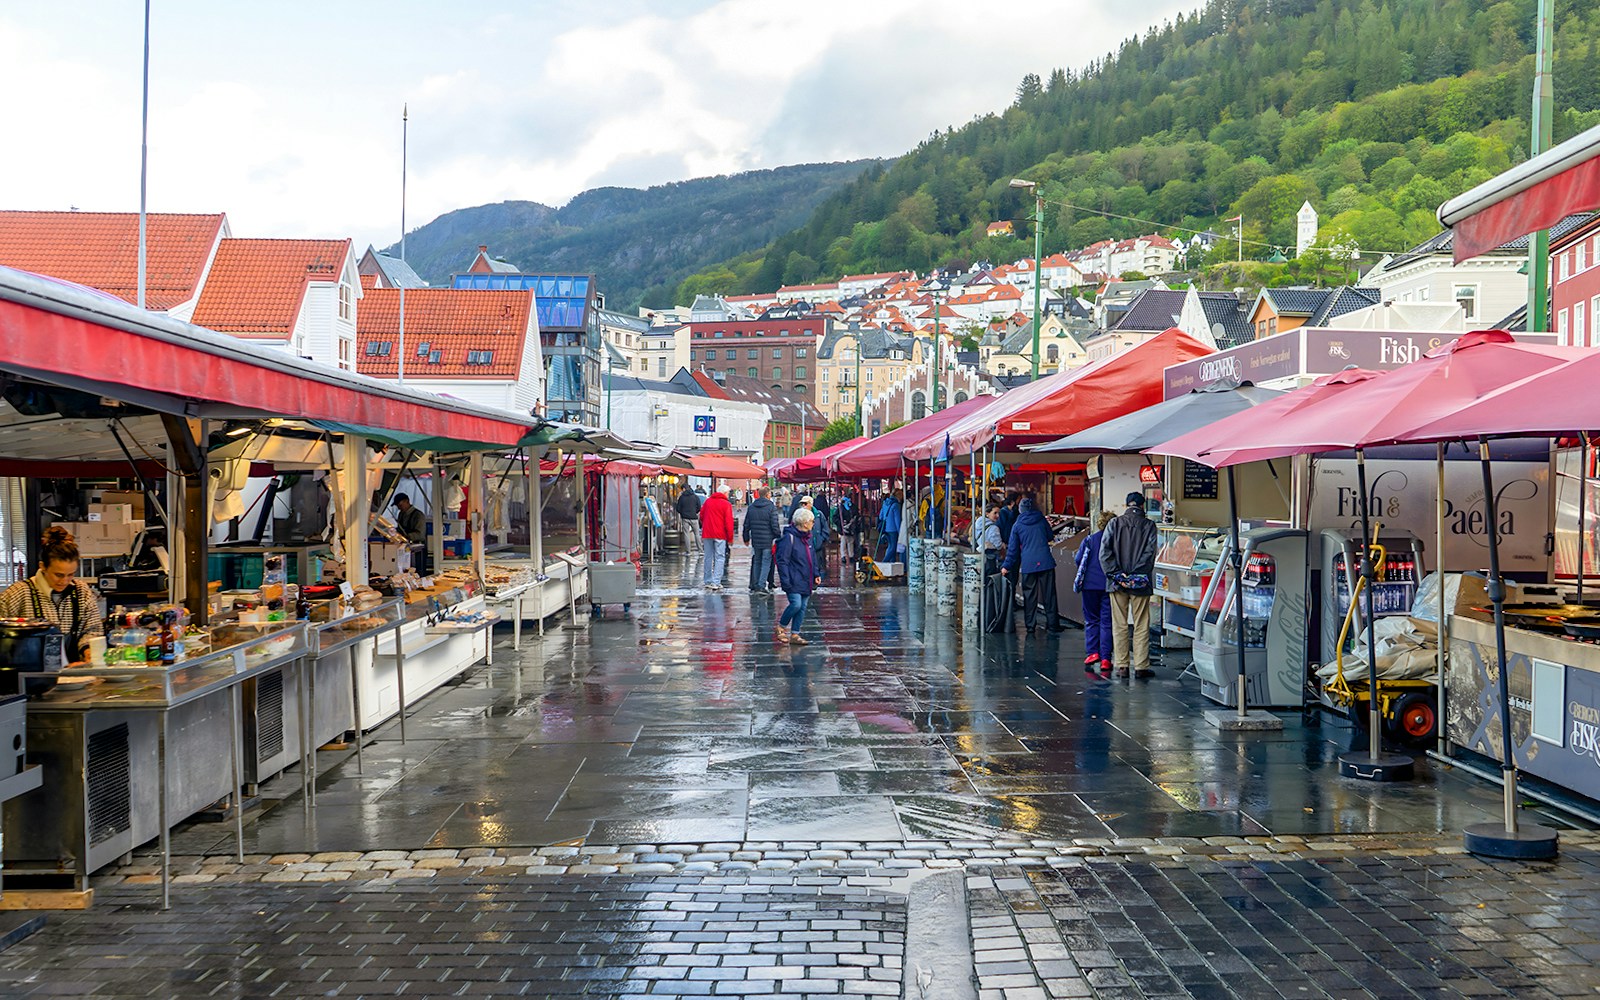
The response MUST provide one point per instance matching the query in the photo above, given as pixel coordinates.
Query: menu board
(1199, 481)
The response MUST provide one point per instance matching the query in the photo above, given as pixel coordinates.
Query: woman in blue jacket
(797, 573)
(1029, 561)
(1091, 583)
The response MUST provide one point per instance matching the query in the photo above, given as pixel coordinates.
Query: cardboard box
(132, 498)
(115, 513)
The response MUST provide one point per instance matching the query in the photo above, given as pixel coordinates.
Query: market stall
(130, 739)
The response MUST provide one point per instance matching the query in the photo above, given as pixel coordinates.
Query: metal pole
(405, 129)
(1236, 557)
(1038, 271)
(1583, 507)
(1543, 113)
(144, 152)
(1497, 597)
(938, 354)
(1444, 622)
(1369, 573)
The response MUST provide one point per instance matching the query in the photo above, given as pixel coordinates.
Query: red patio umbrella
(1239, 438)
(883, 455)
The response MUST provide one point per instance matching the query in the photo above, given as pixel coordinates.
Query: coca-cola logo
(1217, 369)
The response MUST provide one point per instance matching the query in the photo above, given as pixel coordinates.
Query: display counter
(1069, 603)
(1184, 567)
(413, 657)
(519, 594)
(1554, 684)
(130, 751)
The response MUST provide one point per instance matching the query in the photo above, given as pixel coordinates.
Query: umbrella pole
(1493, 839)
(1237, 558)
(1583, 507)
(1444, 622)
(1372, 765)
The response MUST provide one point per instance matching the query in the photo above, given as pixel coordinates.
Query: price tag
(347, 590)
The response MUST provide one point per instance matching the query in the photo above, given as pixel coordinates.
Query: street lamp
(859, 431)
(1038, 259)
(936, 288)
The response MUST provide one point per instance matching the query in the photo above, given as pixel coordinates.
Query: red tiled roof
(451, 321)
(101, 250)
(256, 287)
(833, 285)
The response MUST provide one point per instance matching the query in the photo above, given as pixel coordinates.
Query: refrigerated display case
(1186, 559)
(1275, 620)
(1340, 567)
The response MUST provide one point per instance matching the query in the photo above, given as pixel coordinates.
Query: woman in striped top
(56, 595)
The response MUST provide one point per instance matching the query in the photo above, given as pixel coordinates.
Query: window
(1466, 297)
(346, 348)
(752, 373)
(661, 367)
(1582, 252)
(434, 357)
(1566, 266)
(753, 353)
(422, 349)
(473, 357)
(733, 354)
(1594, 322)
(919, 405)
(1053, 353)
(799, 352)
(1561, 327)
(777, 354)
(777, 373)
(378, 348)
(347, 301)
(961, 397)
(644, 365)
(799, 371)
(823, 373)
(824, 397)
(869, 374)
(1579, 326)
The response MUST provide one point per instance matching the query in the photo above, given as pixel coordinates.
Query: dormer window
(347, 302)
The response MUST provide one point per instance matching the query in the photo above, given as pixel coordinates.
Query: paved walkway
(670, 805)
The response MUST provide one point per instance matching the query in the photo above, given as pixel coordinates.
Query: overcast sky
(286, 114)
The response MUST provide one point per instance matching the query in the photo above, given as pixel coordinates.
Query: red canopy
(882, 455)
(1376, 409)
(1530, 196)
(1070, 401)
(725, 467)
(819, 464)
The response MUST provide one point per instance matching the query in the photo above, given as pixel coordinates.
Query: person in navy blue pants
(1090, 582)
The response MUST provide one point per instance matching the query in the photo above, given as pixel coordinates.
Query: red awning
(1527, 198)
(725, 467)
(883, 455)
(818, 465)
(1062, 404)
(48, 330)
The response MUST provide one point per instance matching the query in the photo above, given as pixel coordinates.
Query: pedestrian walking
(1028, 556)
(797, 569)
(688, 507)
(762, 526)
(716, 529)
(1090, 581)
(821, 532)
(1128, 557)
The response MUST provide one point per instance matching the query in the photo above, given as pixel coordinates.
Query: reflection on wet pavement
(685, 723)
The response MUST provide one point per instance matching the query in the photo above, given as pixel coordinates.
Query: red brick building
(1575, 284)
(778, 353)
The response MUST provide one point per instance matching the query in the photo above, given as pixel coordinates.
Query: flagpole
(144, 153)
(404, 130)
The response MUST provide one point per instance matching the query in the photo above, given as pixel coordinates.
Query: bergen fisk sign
(1307, 352)
(1404, 498)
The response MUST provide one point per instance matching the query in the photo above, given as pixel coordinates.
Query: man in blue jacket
(1028, 556)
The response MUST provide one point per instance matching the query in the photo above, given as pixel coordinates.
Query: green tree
(838, 432)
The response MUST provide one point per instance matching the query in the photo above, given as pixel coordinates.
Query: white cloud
(287, 116)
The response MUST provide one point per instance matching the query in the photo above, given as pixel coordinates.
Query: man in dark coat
(688, 507)
(762, 526)
(1128, 556)
(1028, 555)
(1008, 514)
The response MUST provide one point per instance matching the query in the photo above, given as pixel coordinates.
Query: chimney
(483, 248)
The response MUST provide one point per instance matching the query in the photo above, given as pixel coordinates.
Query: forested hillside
(641, 242)
(1375, 113)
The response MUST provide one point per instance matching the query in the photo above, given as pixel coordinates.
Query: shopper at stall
(1008, 514)
(688, 508)
(716, 529)
(762, 526)
(797, 570)
(56, 595)
(889, 515)
(1090, 581)
(1028, 558)
(411, 522)
(1128, 557)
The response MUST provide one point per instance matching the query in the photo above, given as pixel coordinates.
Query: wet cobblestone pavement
(667, 804)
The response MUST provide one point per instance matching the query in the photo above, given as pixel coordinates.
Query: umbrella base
(1389, 767)
(1531, 842)
(1230, 721)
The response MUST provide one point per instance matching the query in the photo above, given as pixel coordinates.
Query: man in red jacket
(716, 527)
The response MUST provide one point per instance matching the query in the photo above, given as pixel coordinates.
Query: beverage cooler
(1275, 620)
(1339, 566)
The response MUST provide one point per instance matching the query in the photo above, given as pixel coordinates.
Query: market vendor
(414, 526)
(56, 595)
